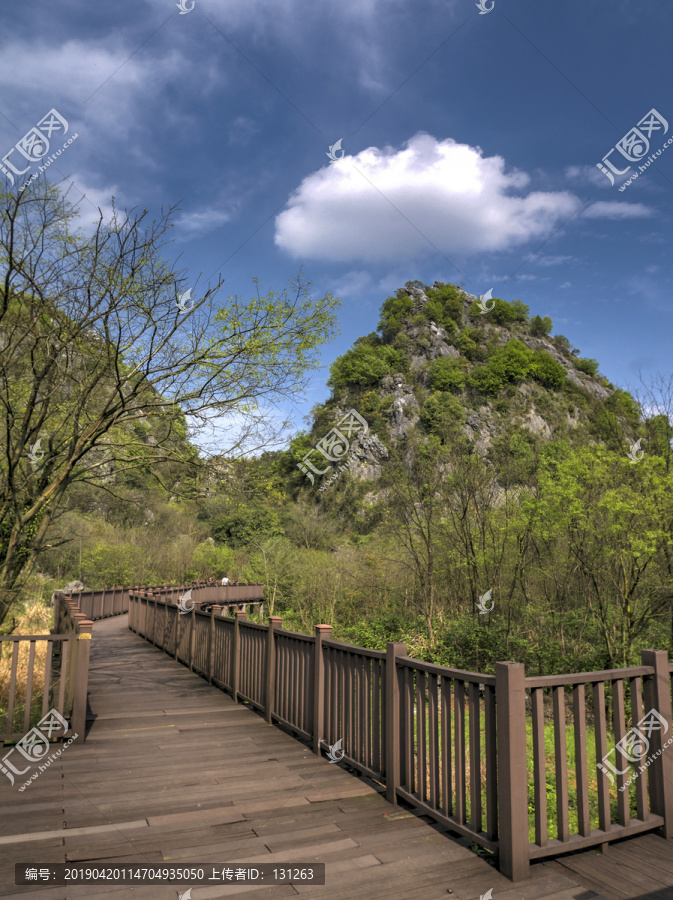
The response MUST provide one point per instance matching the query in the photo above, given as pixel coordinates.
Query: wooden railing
(60, 674)
(115, 601)
(456, 745)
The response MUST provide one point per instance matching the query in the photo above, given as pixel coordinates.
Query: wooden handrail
(452, 743)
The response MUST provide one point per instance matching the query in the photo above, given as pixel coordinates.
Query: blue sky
(470, 143)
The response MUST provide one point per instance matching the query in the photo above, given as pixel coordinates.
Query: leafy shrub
(244, 524)
(511, 362)
(394, 311)
(364, 366)
(450, 299)
(624, 406)
(563, 345)
(447, 374)
(441, 410)
(504, 313)
(466, 344)
(547, 370)
(540, 327)
(485, 380)
(588, 366)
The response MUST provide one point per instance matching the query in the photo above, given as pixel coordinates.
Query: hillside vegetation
(498, 464)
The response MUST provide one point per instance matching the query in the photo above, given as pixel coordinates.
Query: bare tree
(99, 338)
(655, 398)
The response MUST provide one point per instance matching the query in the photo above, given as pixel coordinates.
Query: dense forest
(494, 496)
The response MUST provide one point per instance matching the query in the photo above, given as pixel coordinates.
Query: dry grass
(37, 618)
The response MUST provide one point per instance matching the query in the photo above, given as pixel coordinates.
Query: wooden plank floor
(174, 772)
(636, 869)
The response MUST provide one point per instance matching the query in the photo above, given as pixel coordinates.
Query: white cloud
(550, 260)
(201, 221)
(587, 175)
(615, 209)
(99, 83)
(90, 201)
(373, 206)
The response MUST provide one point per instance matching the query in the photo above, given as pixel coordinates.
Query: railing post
(164, 634)
(56, 602)
(177, 630)
(658, 697)
(321, 632)
(154, 619)
(214, 610)
(192, 636)
(510, 699)
(82, 652)
(393, 735)
(274, 622)
(239, 616)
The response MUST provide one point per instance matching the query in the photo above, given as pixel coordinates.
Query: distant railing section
(460, 746)
(56, 667)
(115, 601)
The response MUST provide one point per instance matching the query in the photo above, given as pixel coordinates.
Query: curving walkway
(174, 772)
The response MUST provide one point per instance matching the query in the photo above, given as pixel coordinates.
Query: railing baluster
(459, 736)
(29, 686)
(619, 728)
(600, 734)
(447, 792)
(475, 756)
(581, 768)
(539, 767)
(490, 721)
(433, 740)
(561, 763)
(642, 802)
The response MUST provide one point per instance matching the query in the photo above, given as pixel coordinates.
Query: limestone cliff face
(422, 325)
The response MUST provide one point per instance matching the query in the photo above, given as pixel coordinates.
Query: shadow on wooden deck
(173, 772)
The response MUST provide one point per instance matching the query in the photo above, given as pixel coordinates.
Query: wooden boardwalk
(174, 772)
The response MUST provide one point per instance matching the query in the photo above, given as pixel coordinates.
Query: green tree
(540, 326)
(545, 369)
(394, 311)
(588, 366)
(440, 411)
(447, 374)
(363, 366)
